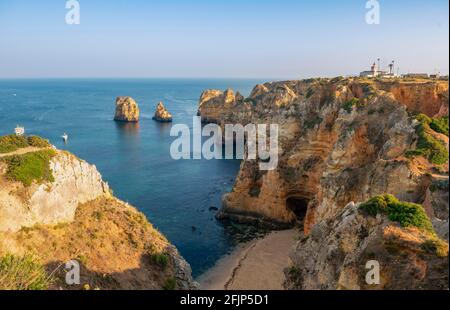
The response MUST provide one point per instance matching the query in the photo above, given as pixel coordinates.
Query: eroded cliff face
(75, 217)
(76, 182)
(336, 253)
(430, 98)
(340, 140)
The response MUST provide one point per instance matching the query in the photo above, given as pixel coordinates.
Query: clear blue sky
(212, 38)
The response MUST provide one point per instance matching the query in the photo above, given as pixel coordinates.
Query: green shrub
(348, 105)
(37, 141)
(11, 143)
(406, 213)
(161, 259)
(440, 125)
(423, 119)
(22, 273)
(428, 146)
(30, 167)
(170, 284)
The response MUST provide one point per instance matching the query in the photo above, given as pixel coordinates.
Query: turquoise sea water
(134, 158)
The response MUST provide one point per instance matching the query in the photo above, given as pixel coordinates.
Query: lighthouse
(374, 69)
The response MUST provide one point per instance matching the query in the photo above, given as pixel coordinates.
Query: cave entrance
(299, 206)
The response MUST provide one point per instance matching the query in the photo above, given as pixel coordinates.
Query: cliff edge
(55, 207)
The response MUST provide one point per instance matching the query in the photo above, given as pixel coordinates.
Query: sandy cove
(255, 265)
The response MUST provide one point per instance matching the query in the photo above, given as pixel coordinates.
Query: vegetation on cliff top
(22, 273)
(406, 213)
(29, 167)
(12, 143)
(427, 145)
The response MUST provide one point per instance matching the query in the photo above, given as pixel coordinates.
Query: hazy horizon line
(187, 77)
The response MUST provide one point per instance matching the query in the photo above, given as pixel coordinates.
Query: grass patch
(37, 141)
(11, 143)
(428, 146)
(406, 213)
(22, 273)
(170, 284)
(30, 167)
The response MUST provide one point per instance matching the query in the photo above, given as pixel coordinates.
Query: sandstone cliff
(161, 114)
(71, 215)
(336, 253)
(127, 110)
(341, 140)
(75, 182)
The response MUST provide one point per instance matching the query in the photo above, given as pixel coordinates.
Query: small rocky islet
(161, 114)
(127, 110)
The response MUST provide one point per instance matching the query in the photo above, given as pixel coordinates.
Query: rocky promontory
(340, 140)
(55, 208)
(343, 141)
(161, 114)
(127, 110)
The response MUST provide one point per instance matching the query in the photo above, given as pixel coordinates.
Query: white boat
(65, 137)
(19, 131)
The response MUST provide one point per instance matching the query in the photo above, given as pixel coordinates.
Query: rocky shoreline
(343, 141)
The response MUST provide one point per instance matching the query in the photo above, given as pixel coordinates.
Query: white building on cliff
(376, 72)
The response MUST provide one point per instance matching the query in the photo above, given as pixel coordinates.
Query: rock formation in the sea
(161, 114)
(55, 207)
(345, 140)
(127, 110)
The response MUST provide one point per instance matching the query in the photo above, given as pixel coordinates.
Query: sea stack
(127, 110)
(161, 114)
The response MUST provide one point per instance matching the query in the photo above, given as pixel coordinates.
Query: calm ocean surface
(134, 158)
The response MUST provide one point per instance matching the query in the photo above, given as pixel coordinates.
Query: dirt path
(21, 151)
(257, 265)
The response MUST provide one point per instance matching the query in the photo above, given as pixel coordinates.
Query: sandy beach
(255, 265)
